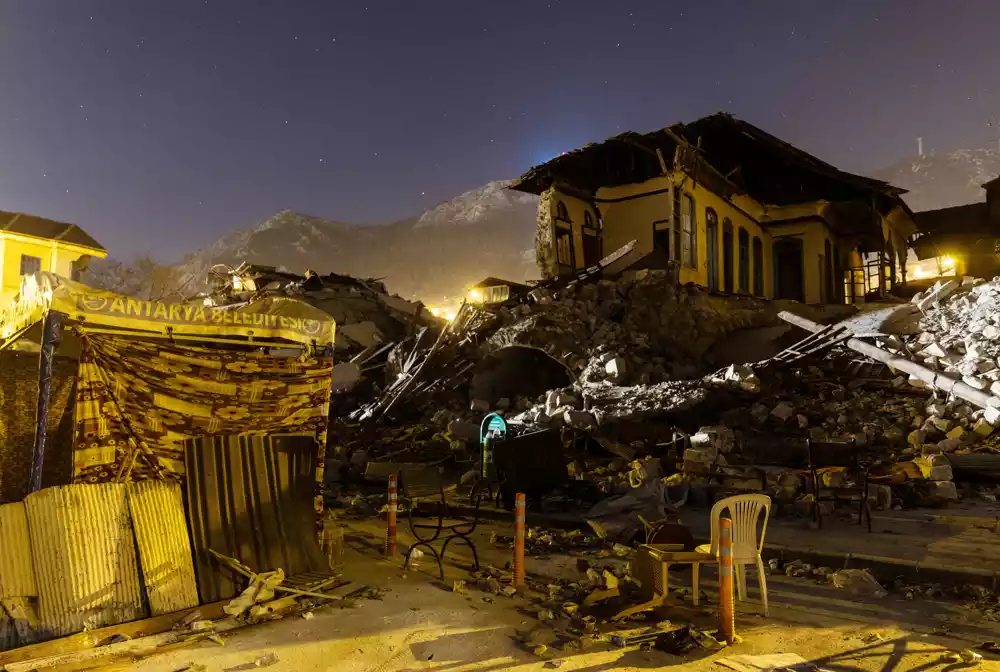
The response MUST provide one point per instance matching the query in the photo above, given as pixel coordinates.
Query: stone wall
(545, 247)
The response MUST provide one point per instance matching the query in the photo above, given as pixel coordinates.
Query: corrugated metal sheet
(161, 534)
(251, 498)
(84, 557)
(17, 578)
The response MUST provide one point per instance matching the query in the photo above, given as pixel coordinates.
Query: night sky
(160, 125)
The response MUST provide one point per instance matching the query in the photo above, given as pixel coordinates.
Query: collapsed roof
(731, 155)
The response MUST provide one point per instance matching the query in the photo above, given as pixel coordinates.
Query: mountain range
(489, 231)
(941, 180)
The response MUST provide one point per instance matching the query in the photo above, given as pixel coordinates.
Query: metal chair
(426, 482)
(855, 461)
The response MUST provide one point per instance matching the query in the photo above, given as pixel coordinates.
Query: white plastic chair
(744, 511)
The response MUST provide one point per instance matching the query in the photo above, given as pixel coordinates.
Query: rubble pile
(960, 335)
(643, 328)
(366, 313)
(633, 350)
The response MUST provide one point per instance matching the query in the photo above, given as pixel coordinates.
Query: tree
(144, 278)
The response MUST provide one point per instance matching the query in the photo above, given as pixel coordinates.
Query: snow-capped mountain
(472, 207)
(484, 232)
(941, 180)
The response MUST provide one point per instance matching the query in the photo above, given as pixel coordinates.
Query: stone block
(982, 427)
(940, 492)
(579, 419)
(721, 437)
(616, 369)
(942, 424)
(783, 411)
(949, 445)
(706, 454)
(941, 290)
(937, 409)
(974, 382)
(937, 473)
(934, 350)
(696, 467)
(881, 496)
(956, 433)
(991, 414)
(933, 460)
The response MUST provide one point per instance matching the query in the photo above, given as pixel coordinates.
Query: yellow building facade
(30, 244)
(721, 233)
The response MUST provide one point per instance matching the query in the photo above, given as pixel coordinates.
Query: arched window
(588, 220)
(727, 255)
(827, 272)
(758, 266)
(712, 248)
(744, 257)
(561, 212)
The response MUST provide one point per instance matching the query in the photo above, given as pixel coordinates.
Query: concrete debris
(366, 313)
(940, 291)
(858, 582)
(623, 362)
(783, 411)
(616, 370)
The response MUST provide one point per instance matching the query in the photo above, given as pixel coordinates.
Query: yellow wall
(56, 257)
(625, 221)
(633, 219)
(704, 199)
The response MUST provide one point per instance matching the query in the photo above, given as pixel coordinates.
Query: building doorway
(591, 248)
(789, 269)
(712, 248)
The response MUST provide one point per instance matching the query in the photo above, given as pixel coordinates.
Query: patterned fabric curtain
(137, 401)
(18, 404)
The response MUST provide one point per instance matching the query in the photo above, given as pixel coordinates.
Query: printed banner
(187, 315)
(138, 401)
(268, 319)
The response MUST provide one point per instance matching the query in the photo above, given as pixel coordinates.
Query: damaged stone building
(741, 211)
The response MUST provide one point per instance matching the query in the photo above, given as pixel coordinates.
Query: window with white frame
(689, 249)
(30, 265)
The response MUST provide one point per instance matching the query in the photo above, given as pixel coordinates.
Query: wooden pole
(727, 607)
(519, 541)
(390, 533)
(51, 335)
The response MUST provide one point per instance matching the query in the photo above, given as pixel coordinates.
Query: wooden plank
(88, 640)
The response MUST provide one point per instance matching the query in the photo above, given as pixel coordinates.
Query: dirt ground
(420, 624)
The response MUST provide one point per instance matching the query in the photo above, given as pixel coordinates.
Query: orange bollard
(727, 607)
(519, 541)
(390, 533)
